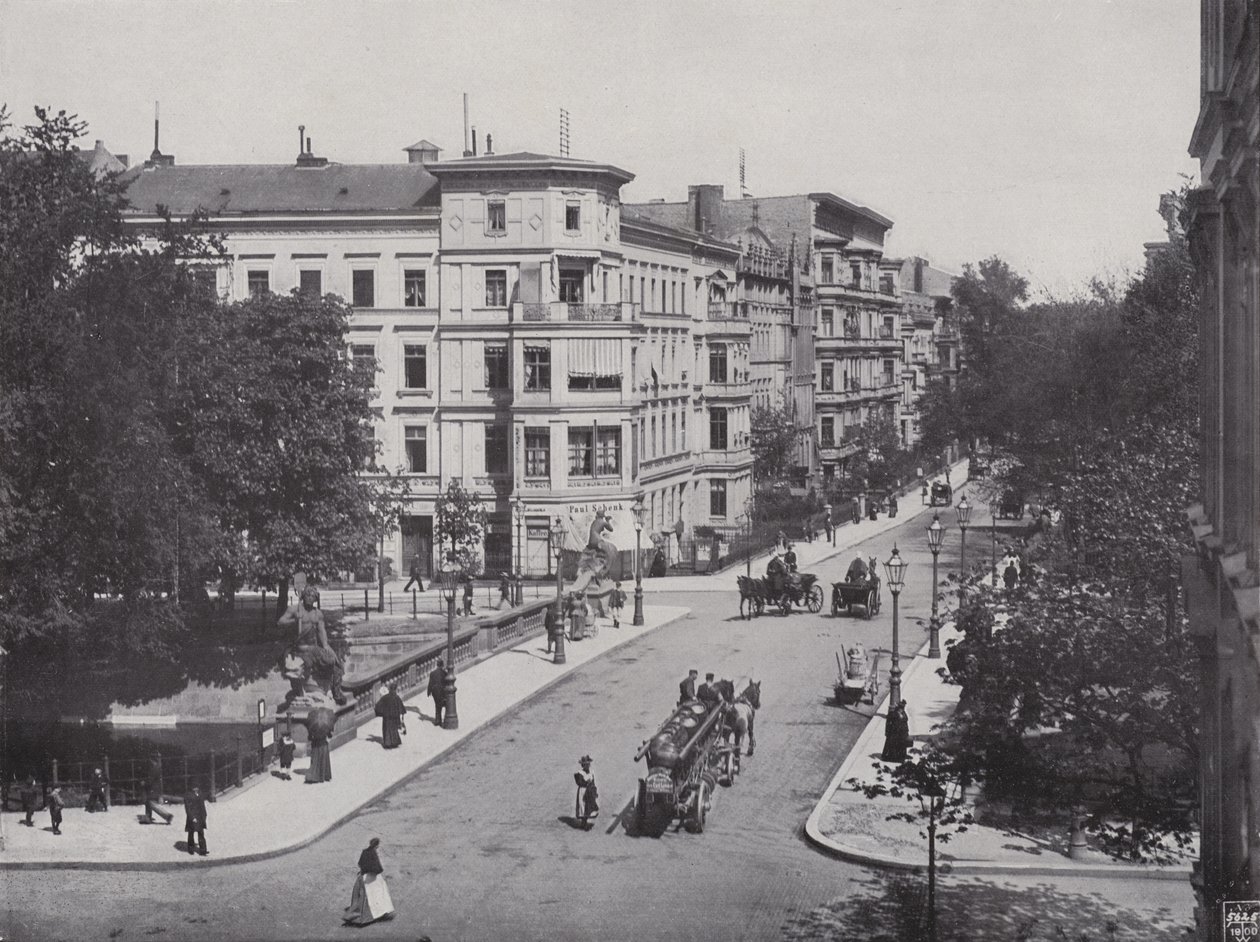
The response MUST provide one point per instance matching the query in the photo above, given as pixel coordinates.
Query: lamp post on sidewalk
(637, 509)
(964, 517)
(557, 551)
(936, 536)
(518, 514)
(451, 575)
(895, 567)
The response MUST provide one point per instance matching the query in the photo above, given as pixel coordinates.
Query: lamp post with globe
(964, 517)
(557, 552)
(936, 536)
(518, 514)
(638, 510)
(451, 574)
(895, 567)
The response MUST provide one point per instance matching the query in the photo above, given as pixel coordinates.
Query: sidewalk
(273, 816)
(853, 827)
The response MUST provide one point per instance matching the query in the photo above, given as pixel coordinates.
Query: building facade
(526, 343)
(1222, 581)
(929, 337)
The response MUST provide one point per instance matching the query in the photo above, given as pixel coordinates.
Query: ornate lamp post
(964, 517)
(451, 575)
(638, 510)
(557, 551)
(518, 514)
(936, 536)
(895, 567)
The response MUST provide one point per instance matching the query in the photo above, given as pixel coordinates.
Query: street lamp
(450, 574)
(896, 570)
(936, 536)
(518, 514)
(557, 551)
(637, 509)
(964, 517)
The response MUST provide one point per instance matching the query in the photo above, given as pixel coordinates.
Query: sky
(1042, 131)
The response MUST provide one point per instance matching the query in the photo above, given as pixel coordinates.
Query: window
(497, 449)
(363, 357)
(673, 434)
(259, 283)
(363, 287)
(652, 437)
(496, 216)
(827, 374)
(413, 288)
(886, 284)
(717, 498)
(496, 288)
(581, 452)
(889, 366)
(828, 271)
(855, 271)
(572, 216)
(827, 436)
(886, 332)
(828, 328)
(417, 448)
(496, 357)
(538, 368)
(205, 281)
(537, 452)
(608, 452)
(652, 298)
(311, 282)
(682, 430)
(415, 366)
(571, 284)
(717, 429)
(717, 363)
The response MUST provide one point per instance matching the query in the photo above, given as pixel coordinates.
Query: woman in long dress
(319, 726)
(370, 899)
(392, 711)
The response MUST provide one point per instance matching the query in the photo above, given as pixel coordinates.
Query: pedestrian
(1010, 575)
(195, 821)
(856, 506)
(616, 604)
(552, 625)
(892, 505)
(98, 788)
(587, 801)
(789, 558)
(830, 529)
(415, 576)
(437, 690)
(505, 591)
(287, 748)
(393, 714)
(29, 794)
(55, 806)
(468, 595)
(153, 792)
(687, 688)
(896, 734)
(370, 899)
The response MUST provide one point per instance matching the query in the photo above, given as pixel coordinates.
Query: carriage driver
(776, 571)
(857, 570)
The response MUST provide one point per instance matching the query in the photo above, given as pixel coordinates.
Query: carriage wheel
(697, 807)
(728, 768)
(815, 599)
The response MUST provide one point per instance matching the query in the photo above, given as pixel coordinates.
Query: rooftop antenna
(564, 133)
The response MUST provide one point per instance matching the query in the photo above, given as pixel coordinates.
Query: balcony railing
(611, 311)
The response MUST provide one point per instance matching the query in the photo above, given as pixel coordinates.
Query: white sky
(1040, 130)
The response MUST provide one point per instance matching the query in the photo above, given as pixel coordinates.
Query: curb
(847, 852)
(388, 790)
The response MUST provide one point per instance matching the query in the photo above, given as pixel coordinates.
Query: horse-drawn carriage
(797, 588)
(848, 594)
(1010, 506)
(942, 495)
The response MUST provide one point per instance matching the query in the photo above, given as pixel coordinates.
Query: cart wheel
(728, 768)
(815, 600)
(697, 808)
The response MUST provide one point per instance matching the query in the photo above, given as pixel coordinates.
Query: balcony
(887, 333)
(565, 312)
(723, 459)
(727, 311)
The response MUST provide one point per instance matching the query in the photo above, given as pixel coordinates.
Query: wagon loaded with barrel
(686, 758)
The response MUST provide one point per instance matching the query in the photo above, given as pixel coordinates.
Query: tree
(460, 520)
(773, 442)
(932, 780)
(390, 491)
(879, 458)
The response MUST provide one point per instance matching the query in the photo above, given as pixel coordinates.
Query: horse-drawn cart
(848, 594)
(859, 677)
(798, 588)
(686, 757)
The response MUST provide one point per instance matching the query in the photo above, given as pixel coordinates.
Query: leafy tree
(880, 460)
(773, 441)
(933, 782)
(460, 520)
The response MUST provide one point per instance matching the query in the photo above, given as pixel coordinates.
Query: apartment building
(526, 343)
(1223, 581)
(929, 337)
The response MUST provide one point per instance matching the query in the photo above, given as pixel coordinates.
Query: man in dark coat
(708, 693)
(857, 570)
(789, 558)
(415, 576)
(153, 792)
(468, 595)
(195, 821)
(687, 689)
(391, 710)
(437, 690)
(896, 734)
(29, 794)
(98, 792)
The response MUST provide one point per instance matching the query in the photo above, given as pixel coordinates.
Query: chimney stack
(306, 157)
(474, 140)
(489, 144)
(467, 150)
(301, 140)
(157, 158)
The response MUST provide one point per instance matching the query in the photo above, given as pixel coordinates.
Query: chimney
(467, 150)
(474, 140)
(157, 158)
(301, 140)
(489, 144)
(307, 158)
(704, 205)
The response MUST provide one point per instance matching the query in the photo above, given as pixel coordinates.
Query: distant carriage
(865, 594)
(942, 495)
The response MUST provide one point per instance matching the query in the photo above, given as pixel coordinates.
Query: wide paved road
(476, 848)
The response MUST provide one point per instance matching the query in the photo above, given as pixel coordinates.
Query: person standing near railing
(195, 821)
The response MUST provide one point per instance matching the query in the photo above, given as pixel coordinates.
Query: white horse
(743, 712)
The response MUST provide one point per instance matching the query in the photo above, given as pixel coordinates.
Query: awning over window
(583, 254)
(594, 356)
(537, 345)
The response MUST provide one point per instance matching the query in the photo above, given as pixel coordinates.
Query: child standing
(55, 806)
(287, 748)
(616, 604)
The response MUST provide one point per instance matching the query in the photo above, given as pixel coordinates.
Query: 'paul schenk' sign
(1241, 920)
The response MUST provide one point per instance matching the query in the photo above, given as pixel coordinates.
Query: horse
(743, 711)
(752, 592)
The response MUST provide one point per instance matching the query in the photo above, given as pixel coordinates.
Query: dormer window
(496, 216)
